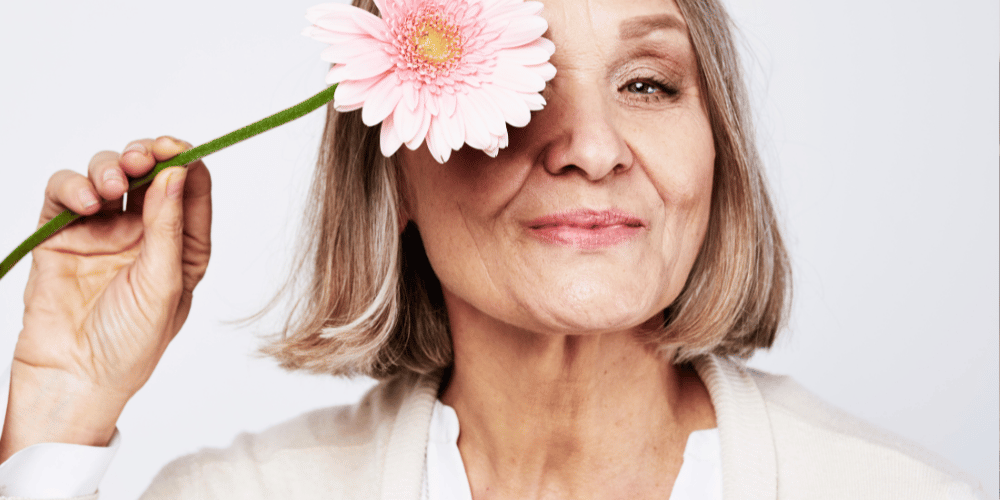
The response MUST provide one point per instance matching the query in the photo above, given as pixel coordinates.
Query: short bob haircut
(368, 302)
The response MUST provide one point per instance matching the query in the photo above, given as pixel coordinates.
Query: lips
(586, 229)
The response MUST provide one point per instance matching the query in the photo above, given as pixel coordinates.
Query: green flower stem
(280, 118)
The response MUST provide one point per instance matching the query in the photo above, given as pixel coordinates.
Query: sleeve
(56, 470)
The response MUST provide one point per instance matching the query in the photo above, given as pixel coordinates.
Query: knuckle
(59, 182)
(102, 156)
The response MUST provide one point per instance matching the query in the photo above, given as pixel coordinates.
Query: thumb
(163, 230)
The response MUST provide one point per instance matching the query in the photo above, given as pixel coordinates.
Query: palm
(80, 300)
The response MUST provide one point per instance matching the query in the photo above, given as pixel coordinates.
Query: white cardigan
(777, 441)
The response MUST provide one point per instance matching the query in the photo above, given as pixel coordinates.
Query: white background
(878, 121)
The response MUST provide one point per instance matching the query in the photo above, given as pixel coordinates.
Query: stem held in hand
(280, 118)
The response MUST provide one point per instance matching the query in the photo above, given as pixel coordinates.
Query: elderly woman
(564, 320)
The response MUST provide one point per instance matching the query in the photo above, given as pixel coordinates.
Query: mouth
(586, 229)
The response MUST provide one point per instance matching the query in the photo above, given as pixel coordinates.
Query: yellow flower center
(433, 45)
(436, 42)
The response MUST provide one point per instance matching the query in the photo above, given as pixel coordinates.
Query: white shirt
(65, 470)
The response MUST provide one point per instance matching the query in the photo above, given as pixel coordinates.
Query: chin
(584, 309)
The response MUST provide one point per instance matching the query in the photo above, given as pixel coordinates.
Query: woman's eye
(642, 88)
(649, 89)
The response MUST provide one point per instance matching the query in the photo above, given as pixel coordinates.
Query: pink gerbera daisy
(448, 71)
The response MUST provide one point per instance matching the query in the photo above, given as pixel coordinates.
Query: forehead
(606, 19)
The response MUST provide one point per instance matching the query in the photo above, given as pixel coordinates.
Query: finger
(158, 266)
(197, 223)
(162, 149)
(137, 159)
(106, 176)
(166, 147)
(68, 189)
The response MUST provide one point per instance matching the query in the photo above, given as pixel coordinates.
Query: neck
(574, 416)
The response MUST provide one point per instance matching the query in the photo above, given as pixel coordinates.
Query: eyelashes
(649, 89)
(637, 90)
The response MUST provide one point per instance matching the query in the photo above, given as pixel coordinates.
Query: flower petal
(454, 131)
(347, 19)
(437, 143)
(425, 123)
(359, 68)
(411, 96)
(490, 112)
(516, 77)
(496, 83)
(546, 70)
(477, 133)
(407, 120)
(514, 109)
(502, 13)
(527, 55)
(326, 36)
(447, 104)
(534, 100)
(358, 47)
(388, 95)
(388, 138)
(353, 92)
(520, 32)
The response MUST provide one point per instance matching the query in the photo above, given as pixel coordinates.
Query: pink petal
(477, 133)
(372, 25)
(358, 46)
(343, 108)
(425, 123)
(526, 55)
(534, 100)
(353, 92)
(447, 101)
(515, 111)
(359, 68)
(326, 36)
(518, 78)
(334, 10)
(489, 111)
(437, 144)
(386, 95)
(411, 96)
(407, 120)
(347, 19)
(431, 103)
(546, 44)
(388, 138)
(521, 32)
(512, 11)
(454, 131)
(546, 70)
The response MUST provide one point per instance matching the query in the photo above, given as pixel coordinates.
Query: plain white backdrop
(877, 119)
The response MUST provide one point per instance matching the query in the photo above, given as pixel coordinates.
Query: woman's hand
(106, 295)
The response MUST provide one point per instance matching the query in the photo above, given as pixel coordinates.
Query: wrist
(49, 406)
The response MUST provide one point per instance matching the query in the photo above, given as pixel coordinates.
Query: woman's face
(591, 219)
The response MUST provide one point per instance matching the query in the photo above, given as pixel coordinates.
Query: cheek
(683, 179)
(458, 207)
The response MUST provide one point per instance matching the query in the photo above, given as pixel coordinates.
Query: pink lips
(586, 229)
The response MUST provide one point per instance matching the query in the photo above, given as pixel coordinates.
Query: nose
(581, 133)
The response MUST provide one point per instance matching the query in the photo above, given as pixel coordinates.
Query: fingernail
(113, 181)
(88, 199)
(137, 147)
(175, 184)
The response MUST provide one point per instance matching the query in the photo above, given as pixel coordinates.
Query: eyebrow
(638, 27)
